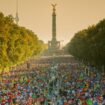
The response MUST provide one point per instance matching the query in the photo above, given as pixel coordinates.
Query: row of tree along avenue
(88, 45)
(16, 43)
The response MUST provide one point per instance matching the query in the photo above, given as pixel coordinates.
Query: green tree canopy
(88, 45)
(16, 43)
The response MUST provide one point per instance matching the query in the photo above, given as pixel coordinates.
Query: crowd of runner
(62, 84)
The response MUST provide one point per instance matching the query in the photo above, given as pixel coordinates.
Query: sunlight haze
(72, 16)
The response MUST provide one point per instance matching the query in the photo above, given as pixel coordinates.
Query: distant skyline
(72, 16)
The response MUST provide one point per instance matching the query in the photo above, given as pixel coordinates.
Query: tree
(16, 43)
(88, 45)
